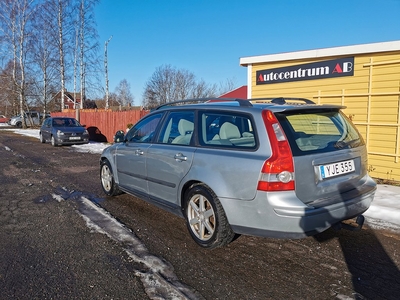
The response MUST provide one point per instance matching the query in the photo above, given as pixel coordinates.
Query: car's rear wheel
(205, 218)
(53, 141)
(110, 187)
(41, 138)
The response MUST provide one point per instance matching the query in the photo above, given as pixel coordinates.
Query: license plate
(74, 138)
(336, 169)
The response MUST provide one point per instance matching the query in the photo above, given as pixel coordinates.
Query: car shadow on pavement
(372, 270)
(96, 135)
(374, 273)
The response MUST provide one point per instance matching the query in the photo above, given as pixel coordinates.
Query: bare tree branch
(168, 84)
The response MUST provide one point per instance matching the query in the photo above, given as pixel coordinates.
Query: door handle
(139, 152)
(180, 157)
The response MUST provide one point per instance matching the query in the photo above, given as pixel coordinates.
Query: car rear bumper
(292, 219)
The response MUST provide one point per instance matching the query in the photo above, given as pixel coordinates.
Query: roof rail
(242, 102)
(282, 100)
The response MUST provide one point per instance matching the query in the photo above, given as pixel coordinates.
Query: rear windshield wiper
(343, 144)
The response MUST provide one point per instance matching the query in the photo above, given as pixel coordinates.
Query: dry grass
(387, 181)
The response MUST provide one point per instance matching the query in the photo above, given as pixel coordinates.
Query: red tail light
(278, 170)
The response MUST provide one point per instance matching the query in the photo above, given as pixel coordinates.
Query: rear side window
(226, 130)
(178, 128)
(318, 131)
(33, 115)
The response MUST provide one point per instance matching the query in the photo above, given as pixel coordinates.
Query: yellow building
(364, 78)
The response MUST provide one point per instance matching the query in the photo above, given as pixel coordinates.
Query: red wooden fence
(102, 124)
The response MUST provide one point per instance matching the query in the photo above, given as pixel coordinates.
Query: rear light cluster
(278, 170)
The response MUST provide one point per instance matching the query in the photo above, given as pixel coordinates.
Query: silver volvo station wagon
(283, 167)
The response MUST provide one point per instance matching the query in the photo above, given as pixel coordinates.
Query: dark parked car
(63, 131)
(284, 168)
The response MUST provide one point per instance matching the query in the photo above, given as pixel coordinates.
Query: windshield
(65, 122)
(319, 131)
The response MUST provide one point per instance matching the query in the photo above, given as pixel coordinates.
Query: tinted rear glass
(318, 131)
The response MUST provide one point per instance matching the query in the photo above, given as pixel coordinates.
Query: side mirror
(119, 136)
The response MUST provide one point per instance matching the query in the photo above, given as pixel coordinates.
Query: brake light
(278, 170)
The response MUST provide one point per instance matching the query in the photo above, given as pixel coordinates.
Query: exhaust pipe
(353, 226)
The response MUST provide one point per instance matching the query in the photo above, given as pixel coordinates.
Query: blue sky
(208, 37)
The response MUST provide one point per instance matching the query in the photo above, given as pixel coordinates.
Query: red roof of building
(240, 92)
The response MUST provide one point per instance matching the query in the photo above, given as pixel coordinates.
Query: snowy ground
(383, 213)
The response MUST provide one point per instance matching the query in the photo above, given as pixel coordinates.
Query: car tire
(53, 141)
(108, 184)
(41, 138)
(205, 218)
(19, 124)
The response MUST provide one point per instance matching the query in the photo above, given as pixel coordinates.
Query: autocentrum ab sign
(318, 70)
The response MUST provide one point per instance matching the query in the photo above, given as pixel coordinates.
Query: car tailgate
(325, 178)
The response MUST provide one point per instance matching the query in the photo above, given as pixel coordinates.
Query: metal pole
(106, 69)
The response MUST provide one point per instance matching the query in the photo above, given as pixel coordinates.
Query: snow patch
(156, 274)
(56, 197)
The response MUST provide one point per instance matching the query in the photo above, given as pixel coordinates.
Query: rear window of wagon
(318, 131)
(226, 130)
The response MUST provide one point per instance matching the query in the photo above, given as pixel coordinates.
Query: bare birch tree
(16, 17)
(88, 44)
(51, 30)
(45, 54)
(61, 11)
(123, 93)
(61, 18)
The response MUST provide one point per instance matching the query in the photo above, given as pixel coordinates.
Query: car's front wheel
(205, 217)
(110, 187)
(53, 141)
(41, 138)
